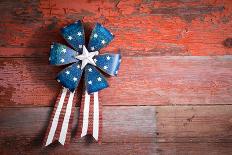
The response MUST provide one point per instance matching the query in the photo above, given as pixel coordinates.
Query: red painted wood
(141, 28)
(127, 130)
(144, 29)
(141, 81)
(130, 124)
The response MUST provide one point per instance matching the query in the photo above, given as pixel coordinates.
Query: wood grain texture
(194, 123)
(124, 149)
(141, 81)
(127, 130)
(176, 53)
(141, 27)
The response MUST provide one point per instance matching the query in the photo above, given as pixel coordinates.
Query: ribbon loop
(74, 35)
(94, 80)
(70, 76)
(109, 63)
(61, 55)
(100, 37)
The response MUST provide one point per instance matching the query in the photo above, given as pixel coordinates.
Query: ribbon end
(83, 135)
(61, 141)
(95, 137)
(47, 143)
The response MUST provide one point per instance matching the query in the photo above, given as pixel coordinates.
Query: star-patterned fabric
(61, 54)
(84, 60)
(74, 35)
(94, 80)
(100, 37)
(108, 63)
(70, 76)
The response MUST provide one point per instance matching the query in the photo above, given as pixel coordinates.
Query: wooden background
(173, 94)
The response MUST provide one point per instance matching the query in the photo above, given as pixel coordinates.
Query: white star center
(70, 38)
(86, 57)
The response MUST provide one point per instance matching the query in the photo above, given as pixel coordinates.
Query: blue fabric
(94, 80)
(108, 63)
(74, 35)
(100, 37)
(70, 76)
(62, 55)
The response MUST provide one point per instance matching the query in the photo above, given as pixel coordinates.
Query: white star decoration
(92, 48)
(67, 72)
(62, 60)
(69, 37)
(86, 57)
(90, 69)
(74, 79)
(95, 35)
(103, 41)
(79, 34)
(108, 57)
(64, 50)
(105, 67)
(99, 78)
(89, 82)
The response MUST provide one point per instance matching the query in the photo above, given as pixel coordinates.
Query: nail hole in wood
(228, 42)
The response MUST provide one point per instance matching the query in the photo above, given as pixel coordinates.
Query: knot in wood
(228, 42)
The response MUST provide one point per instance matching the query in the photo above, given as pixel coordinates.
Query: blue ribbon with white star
(84, 61)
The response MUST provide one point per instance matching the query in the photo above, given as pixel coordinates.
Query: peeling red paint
(163, 80)
(141, 28)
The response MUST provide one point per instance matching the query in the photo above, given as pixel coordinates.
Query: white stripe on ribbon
(56, 118)
(96, 116)
(85, 115)
(65, 124)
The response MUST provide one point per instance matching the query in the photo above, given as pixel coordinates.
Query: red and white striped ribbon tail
(90, 117)
(61, 119)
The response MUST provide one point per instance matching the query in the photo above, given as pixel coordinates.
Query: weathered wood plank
(141, 27)
(123, 149)
(194, 123)
(127, 130)
(130, 124)
(141, 81)
(121, 124)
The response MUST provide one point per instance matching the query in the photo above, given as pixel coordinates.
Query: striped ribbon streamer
(61, 120)
(90, 118)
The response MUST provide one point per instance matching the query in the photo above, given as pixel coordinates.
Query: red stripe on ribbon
(57, 128)
(61, 120)
(51, 119)
(90, 118)
(90, 126)
(80, 117)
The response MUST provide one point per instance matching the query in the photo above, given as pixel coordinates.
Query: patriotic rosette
(84, 61)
